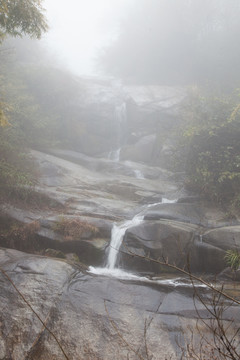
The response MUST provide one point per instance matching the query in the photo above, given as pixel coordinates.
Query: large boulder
(91, 317)
(199, 213)
(225, 238)
(189, 213)
(173, 242)
(141, 151)
(167, 241)
(206, 259)
(36, 232)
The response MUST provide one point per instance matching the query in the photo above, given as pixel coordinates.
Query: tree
(211, 133)
(18, 17)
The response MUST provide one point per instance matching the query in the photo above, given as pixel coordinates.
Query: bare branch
(120, 335)
(185, 272)
(35, 313)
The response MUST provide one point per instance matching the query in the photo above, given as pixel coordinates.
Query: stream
(117, 237)
(114, 184)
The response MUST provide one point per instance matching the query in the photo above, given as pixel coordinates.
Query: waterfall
(118, 232)
(114, 155)
(138, 174)
(120, 120)
(117, 235)
(120, 113)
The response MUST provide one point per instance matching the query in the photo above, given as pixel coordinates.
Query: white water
(120, 113)
(124, 275)
(114, 155)
(138, 174)
(120, 119)
(117, 235)
(167, 201)
(116, 273)
(118, 232)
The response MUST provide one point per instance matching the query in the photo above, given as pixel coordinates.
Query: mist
(172, 42)
(81, 29)
(120, 179)
(165, 42)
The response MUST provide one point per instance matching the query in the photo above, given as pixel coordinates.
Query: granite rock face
(92, 317)
(174, 242)
(119, 172)
(164, 240)
(170, 230)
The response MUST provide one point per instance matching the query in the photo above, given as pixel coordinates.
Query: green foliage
(16, 179)
(211, 133)
(11, 175)
(19, 17)
(39, 106)
(58, 96)
(232, 258)
(41, 103)
(3, 118)
(54, 253)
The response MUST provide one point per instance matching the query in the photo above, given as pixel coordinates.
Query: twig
(185, 272)
(120, 335)
(30, 306)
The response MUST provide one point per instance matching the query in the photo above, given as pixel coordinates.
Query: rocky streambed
(93, 317)
(129, 308)
(175, 224)
(107, 315)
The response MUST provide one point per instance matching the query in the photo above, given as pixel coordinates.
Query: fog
(119, 179)
(81, 28)
(162, 42)
(177, 42)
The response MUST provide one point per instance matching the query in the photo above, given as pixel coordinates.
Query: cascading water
(120, 113)
(167, 201)
(117, 235)
(138, 174)
(114, 155)
(118, 232)
(120, 124)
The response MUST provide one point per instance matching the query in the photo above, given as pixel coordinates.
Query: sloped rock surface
(164, 240)
(225, 238)
(179, 243)
(92, 317)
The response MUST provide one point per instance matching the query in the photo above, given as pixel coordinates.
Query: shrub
(211, 133)
(74, 229)
(232, 258)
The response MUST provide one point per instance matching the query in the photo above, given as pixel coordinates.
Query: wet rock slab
(165, 240)
(226, 238)
(183, 244)
(80, 309)
(88, 191)
(90, 247)
(189, 213)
